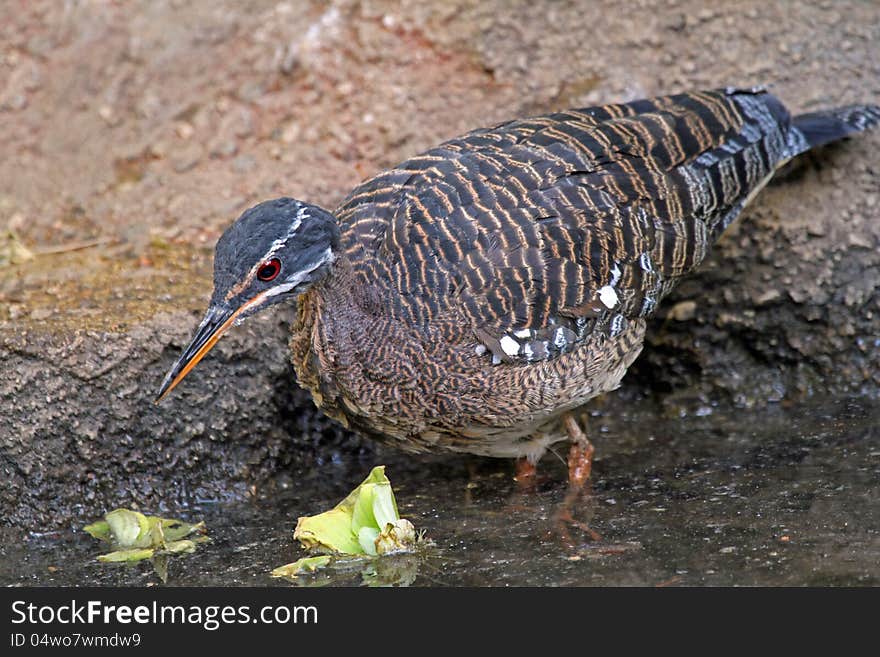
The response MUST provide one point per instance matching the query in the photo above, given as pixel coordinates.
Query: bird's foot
(577, 499)
(526, 474)
(579, 495)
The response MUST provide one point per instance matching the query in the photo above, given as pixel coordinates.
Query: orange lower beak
(216, 322)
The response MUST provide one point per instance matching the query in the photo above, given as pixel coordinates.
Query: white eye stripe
(301, 215)
(297, 277)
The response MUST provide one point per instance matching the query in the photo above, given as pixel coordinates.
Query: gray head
(274, 251)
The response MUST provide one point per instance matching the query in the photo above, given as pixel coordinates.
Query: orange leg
(526, 473)
(580, 456)
(580, 466)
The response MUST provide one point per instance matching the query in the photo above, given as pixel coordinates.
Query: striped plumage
(481, 289)
(518, 227)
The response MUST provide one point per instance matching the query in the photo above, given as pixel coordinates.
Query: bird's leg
(526, 473)
(580, 466)
(580, 456)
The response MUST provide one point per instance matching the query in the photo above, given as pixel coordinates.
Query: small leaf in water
(179, 547)
(175, 530)
(137, 554)
(304, 565)
(160, 566)
(129, 529)
(136, 537)
(99, 530)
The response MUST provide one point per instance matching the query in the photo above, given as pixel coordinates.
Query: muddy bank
(150, 127)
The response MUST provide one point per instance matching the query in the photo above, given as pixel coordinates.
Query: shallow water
(781, 496)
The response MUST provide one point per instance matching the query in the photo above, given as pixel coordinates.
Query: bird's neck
(330, 316)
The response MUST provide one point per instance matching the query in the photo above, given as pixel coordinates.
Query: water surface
(788, 495)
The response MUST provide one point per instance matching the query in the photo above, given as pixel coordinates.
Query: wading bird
(472, 297)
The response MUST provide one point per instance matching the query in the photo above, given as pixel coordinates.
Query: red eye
(269, 269)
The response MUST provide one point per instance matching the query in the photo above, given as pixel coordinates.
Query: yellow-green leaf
(367, 539)
(362, 513)
(127, 555)
(340, 529)
(129, 529)
(136, 536)
(100, 530)
(384, 506)
(304, 565)
(177, 547)
(328, 532)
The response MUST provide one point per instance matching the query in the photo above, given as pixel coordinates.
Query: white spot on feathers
(615, 274)
(480, 349)
(559, 338)
(523, 333)
(509, 346)
(618, 323)
(608, 296)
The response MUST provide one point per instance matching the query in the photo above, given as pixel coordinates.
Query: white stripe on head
(301, 215)
(298, 276)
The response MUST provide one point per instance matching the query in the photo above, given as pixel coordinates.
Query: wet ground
(789, 495)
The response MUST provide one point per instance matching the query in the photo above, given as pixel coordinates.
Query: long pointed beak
(216, 322)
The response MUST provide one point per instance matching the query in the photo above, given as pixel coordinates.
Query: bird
(473, 297)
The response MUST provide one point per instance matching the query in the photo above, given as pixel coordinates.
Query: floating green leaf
(304, 565)
(362, 513)
(384, 506)
(135, 554)
(99, 530)
(366, 522)
(130, 528)
(135, 536)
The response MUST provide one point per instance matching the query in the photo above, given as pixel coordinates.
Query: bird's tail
(820, 128)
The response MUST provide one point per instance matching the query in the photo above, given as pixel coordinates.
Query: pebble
(860, 241)
(683, 311)
(184, 130)
(224, 148)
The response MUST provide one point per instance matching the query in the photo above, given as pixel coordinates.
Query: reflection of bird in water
(470, 298)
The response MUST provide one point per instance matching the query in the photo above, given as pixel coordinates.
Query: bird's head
(274, 251)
